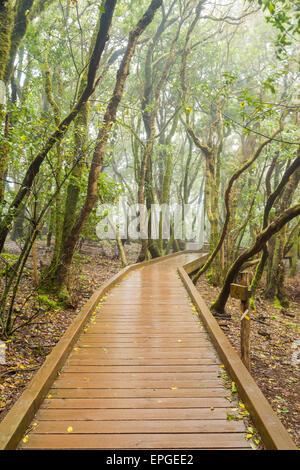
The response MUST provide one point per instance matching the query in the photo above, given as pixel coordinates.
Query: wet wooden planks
(143, 375)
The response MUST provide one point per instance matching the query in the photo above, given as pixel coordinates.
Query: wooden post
(240, 291)
(245, 324)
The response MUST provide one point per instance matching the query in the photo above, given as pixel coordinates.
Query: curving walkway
(144, 374)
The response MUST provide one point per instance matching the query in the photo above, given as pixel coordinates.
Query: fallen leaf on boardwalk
(230, 417)
(70, 429)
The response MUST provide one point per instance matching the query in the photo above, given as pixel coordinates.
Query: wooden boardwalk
(143, 375)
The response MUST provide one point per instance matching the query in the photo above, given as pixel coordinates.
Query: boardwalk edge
(273, 433)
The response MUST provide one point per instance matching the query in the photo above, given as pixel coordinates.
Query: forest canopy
(187, 105)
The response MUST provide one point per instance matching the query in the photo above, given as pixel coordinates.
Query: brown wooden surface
(238, 292)
(144, 374)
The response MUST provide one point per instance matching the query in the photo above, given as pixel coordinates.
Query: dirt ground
(275, 349)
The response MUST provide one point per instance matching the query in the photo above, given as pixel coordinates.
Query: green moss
(252, 304)
(21, 20)
(44, 299)
(277, 303)
(6, 21)
(64, 295)
(7, 269)
(9, 256)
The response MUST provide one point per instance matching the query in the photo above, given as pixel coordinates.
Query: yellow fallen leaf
(70, 429)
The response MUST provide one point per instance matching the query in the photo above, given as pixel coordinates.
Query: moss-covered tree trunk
(6, 25)
(295, 243)
(275, 285)
(166, 171)
(6, 22)
(276, 269)
(150, 105)
(212, 211)
(21, 21)
(58, 164)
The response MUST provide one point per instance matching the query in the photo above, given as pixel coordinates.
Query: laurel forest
(130, 130)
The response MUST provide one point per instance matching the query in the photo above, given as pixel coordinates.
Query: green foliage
(9, 256)
(284, 15)
(277, 303)
(236, 91)
(109, 190)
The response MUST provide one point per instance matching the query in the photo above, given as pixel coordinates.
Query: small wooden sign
(239, 292)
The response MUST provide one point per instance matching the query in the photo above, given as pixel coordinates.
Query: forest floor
(273, 334)
(29, 346)
(274, 346)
